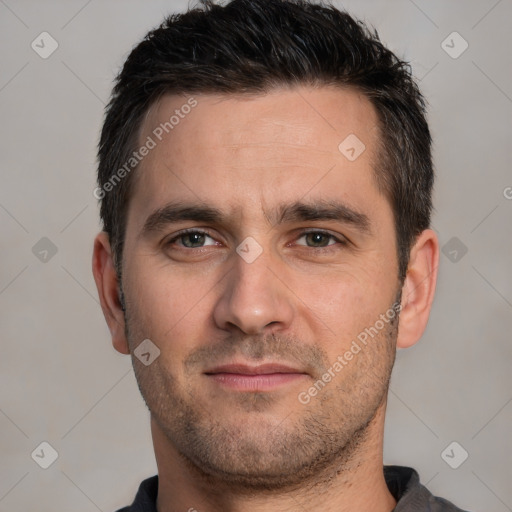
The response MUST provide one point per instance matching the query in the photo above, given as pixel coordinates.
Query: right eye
(192, 239)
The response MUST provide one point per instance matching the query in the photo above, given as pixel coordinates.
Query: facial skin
(266, 167)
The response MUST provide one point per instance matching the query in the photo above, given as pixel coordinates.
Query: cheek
(165, 307)
(346, 302)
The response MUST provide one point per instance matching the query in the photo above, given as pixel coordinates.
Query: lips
(260, 378)
(263, 369)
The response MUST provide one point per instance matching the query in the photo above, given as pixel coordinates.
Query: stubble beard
(302, 448)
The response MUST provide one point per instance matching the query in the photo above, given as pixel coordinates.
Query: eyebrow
(299, 211)
(176, 212)
(324, 210)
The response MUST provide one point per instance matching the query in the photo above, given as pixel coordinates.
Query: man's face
(275, 248)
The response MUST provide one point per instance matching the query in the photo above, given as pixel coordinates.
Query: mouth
(264, 377)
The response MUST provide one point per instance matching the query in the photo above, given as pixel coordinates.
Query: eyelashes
(189, 239)
(317, 237)
(194, 239)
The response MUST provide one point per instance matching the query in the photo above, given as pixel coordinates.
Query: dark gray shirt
(403, 483)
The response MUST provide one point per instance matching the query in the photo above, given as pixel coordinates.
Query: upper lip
(262, 369)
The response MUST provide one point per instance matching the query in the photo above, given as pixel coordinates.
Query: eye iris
(317, 239)
(193, 240)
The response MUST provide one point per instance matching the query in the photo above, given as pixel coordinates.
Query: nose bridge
(253, 299)
(251, 276)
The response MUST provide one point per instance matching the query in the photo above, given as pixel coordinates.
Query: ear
(107, 283)
(418, 289)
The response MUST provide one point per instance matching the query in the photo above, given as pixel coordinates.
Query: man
(265, 180)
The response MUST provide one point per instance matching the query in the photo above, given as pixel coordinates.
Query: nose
(253, 299)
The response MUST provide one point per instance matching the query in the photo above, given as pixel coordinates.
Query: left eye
(193, 240)
(317, 239)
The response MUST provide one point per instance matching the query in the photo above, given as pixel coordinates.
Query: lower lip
(261, 382)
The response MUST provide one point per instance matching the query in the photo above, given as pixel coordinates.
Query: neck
(356, 485)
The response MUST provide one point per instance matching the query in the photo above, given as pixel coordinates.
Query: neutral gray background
(62, 382)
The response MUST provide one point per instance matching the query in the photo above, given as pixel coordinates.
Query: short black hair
(255, 46)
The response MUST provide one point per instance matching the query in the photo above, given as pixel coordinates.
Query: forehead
(295, 115)
(241, 151)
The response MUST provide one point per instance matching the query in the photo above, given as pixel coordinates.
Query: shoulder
(145, 500)
(404, 484)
